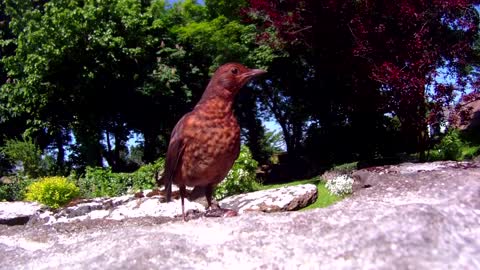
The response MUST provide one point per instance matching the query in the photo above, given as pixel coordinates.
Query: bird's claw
(191, 214)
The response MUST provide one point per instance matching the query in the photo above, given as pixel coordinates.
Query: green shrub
(455, 145)
(241, 178)
(145, 176)
(52, 191)
(434, 154)
(345, 168)
(450, 147)
(102, 182)
(26, 154)
(470, 152)
(14, 191)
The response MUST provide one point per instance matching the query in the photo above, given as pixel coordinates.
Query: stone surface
(419, 219)
(139, 205)
(273, 200)
(17, 213)
(117, 208)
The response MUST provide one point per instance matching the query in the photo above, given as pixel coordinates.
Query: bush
(470, 152)
(145, 176)
(52, 191)
(26, 154)
(346, 168)
(14, 191)
(340, 186)
(102, 182)
(241, 178)
(450, 147)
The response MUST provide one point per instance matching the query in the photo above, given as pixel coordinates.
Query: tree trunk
(60, 162)
(149, 146)
(90, 149)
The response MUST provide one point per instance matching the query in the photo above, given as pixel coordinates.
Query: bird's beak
(254, 72)
(251, 73)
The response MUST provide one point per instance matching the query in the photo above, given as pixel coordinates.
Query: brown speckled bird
(206, 141)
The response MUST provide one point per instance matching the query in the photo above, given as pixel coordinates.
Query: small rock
(273, 200)
(17, 213)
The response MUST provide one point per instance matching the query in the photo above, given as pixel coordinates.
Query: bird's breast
(213, 146)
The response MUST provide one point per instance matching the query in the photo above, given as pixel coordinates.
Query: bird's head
(229, 78)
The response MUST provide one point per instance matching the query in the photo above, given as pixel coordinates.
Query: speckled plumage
(206, 141)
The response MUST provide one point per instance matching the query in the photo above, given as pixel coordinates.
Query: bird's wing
(175, 151)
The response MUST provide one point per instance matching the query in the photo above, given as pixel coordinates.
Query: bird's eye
(234, 71)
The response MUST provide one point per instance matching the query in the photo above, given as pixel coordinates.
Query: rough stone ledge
(425, 220)
(137, 205)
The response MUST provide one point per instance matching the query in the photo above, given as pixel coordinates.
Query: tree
(216, 38)
(26, 155)
(93, 73)
(229, 9)
(369, 62)
(76, 69)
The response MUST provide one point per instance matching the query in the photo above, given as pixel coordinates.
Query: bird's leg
(209, 196)
(168, 191)
(182, 197)
(214, 210)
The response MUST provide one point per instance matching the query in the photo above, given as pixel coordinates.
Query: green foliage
(70, 56)
(145, 177)
(455, 145)
(222, 39)
(52, 191)
(345, 168)
(219, 38)
(102, 182)
(450, 147)
(241, 178)
(146, 57)
(26, 155)
(14, 191)
(228, 8)
(470, 152)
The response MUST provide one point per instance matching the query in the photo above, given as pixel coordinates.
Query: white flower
(340, 185)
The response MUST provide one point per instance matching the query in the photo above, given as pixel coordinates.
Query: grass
(324, 197)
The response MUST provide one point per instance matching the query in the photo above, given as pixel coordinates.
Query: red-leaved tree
(377, 57)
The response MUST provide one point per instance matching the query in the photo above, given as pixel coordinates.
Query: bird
(205, 142)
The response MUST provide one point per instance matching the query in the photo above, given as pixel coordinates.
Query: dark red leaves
(402, 43)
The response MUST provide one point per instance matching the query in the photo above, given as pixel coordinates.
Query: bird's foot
(191, 214)
(220, 212)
